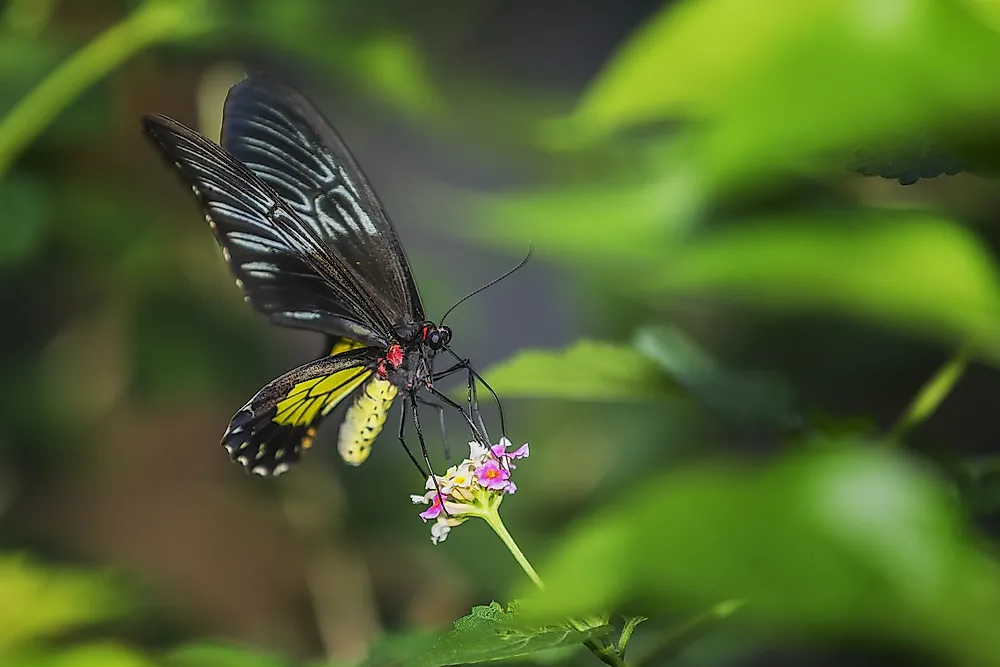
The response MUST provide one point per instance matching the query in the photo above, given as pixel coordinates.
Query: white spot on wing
(260, 266)
(347, 181)
(280, 468)
(260, 470)
(301, 315)
(254, 242)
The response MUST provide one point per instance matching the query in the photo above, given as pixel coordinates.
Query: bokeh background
(714, 352)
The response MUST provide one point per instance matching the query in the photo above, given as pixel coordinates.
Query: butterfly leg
(464, 363)
(473, 399)
(402, 432)
(444, 433)
(440, 375)
(480, 437)
(423, 447)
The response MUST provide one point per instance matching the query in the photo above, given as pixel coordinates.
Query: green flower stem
(153, 21)
(932, 393)
(606, 654)
(493, 519)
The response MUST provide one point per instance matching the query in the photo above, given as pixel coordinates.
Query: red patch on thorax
(395, 356)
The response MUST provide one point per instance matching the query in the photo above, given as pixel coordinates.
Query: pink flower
(501, 454)
(491, 476)
(434, 510)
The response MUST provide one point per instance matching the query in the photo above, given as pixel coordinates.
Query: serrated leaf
(588, 370)
(37, 601)
(487, 633)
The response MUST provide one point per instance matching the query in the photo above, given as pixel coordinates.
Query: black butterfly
(311, 247)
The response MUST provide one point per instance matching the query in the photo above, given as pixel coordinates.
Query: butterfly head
(436, 337)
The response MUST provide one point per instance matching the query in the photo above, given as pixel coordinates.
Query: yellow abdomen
(364, 420)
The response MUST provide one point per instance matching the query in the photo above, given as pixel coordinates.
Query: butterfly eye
(439, 337)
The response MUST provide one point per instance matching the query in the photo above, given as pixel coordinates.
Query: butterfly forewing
(283, 270)
(279, 135)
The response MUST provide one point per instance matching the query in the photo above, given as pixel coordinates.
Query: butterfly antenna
(491, 283)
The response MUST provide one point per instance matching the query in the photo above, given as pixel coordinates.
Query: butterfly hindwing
(280, 135)
(268, 434)
(284, 271)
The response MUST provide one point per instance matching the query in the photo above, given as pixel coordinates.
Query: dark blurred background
(126, 348)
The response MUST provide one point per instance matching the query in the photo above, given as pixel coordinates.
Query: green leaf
(817, 71)
(912, 271)
(845, 540)
(488, 633)
(39, 601)
(673, 65)
(587, 371)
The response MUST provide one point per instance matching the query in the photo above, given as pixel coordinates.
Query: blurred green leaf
(88, 655)
(152, 21)
(738, 396)
(210, 654)
(26, 215)
(988, 11)
(391, 66)
(796, 83)
(672, 66)
(598, 222)
(910, 270)
(588, 371)
(843, 540)
(488, 633)
(36, 601)
(24, 59)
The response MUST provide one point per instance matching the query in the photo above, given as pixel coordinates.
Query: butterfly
(311, 247)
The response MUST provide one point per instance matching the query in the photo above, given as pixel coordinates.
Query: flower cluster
(474, 487)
